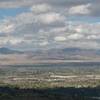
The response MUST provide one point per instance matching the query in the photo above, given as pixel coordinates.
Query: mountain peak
(5, 50)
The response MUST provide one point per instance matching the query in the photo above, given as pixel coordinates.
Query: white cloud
(84, 44)
(50, 18)
(60, 38)
(6, 27)
(59, 29)
(15, 3)
(41, 18)
(24, 18)
(79, 29)
(10, 41)
(93, 37)
(54, 35)
(43, 26)
(14, 41)
(44, 43)
(40, 8)
(75, 36)
(3, 41)
(80, 9)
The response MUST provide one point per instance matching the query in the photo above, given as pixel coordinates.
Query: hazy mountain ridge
(66, 53)
(5, 50)
(10, 56)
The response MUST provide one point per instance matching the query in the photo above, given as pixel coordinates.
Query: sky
(47, 24)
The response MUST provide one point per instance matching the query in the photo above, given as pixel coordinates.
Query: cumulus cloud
(6, 27)
(50, 18)
(44, 43)
(76, 6)
(10, 41)
(75, 36)
(14, 40)
(47, 24)
(80, 9)
(40, 8)
(79, 29)
(60, 38)
(15, 3)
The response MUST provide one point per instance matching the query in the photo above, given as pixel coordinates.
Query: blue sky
(11, 12)
(46, 24)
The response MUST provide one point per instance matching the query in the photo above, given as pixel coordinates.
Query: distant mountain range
(4, 50)
(66, 53)
(62, 54)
